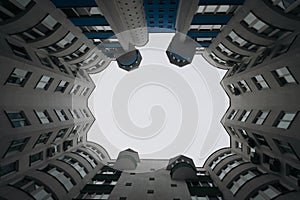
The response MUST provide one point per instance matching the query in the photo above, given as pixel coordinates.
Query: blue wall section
(194, 34)
(74, 3)
(89, 21)
(221, 2)
(161, 14)
(101, 35)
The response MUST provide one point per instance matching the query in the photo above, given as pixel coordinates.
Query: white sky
(159, 109)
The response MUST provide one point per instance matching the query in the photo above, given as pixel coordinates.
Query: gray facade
(49, 48)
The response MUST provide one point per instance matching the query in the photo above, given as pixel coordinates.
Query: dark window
(128, 184)
(62, 116)
(18, 145)
(61, 133)
(151, 179)
(35, 158)
(261, 139)
(62, 86)
(260, 117)
(284, 147)
(19, 51)
(260, 82)
(150, 191)
(173, 185)
(18, 77)
(6, 169)
(17, 119)
(43, 138)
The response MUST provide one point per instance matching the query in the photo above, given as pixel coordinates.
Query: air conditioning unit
(52, 150)
(255, 158)
(275, 165)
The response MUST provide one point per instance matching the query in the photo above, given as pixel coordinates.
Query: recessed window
(62, 116)
(43, 138)
(260, 82)
(85, 113)
(44, 60)
(173, 185)
(285, 119)
(75, 164)
(61, 133)
(43, 116)
(150, 191)
(44, 83)
(270, 192)
(17, 119)
(284, 147)
(123, 198)
(74, 114)
(234, 90)
(75, 89)
(232, 114)
(244, 133)
(242, 179)
(238, 145)
(224, 171)
(75, 129)
(85, 91)
(261, 139)
(244, 86)
(18, 77)
(151, 179)
(284, 76)
(128, 184)
(244, 115)
(19, 51)
(9, 168)
(87, 157)
(260, 117)
(62, 86)
(33, 188)
(220, 158)
(293, 172)
(35, 158)
(66, 181)
(18, 145)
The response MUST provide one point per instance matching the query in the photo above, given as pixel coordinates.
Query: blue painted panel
(221, 2)
(161, 14)
(204, 44)
(74, 3)
(211, 19)
(104, 35)
(202, 34)
(89, 21)
(160, 30)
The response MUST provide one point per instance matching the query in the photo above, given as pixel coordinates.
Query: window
(173, 185)
(213, 9)
(293, 172)
(269, 192)
(75, 129)
(150, 191)
(261, 139)
(283, 76)
(19, 51)
(17, 119)
(44, 83)
(285, 119)
(151, 179)
(44, 60)
(66, 41)
(74, 114)
(62, 116)
(87, 157)
(84, 113)
(234, 90)
(288, 6)
(244, 86)
(238, 145)
(18, 77)
(9, 168)
(62, 86)
(35, 158)
(123, 198)
(229, 167)
(232, 114)
(93, 196)
(18, 145)
(43, 116)
(220, 158)
(284, 147)
(61, 176)
(75, 89)
(244, 115)
(242, 179)
(75, 164)
(260, 82)
(35, 189)
(11, 9)
(128, 184)
(61, 133)
(43, 138)
(236, 39)
(84, 91)
(260, 117)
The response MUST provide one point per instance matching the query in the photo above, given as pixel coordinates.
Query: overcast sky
(159, 109)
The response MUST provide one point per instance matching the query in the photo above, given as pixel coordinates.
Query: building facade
(48, 48)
